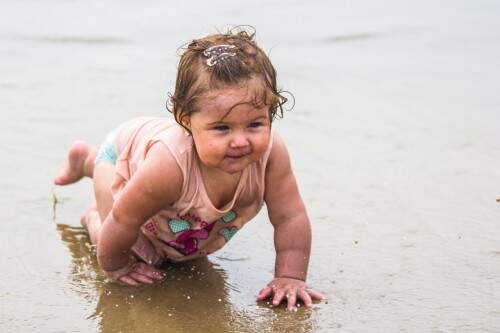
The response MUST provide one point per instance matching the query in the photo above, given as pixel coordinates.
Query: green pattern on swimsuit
(178, 225)
(228, 233)
(229, 216)
(107, 153)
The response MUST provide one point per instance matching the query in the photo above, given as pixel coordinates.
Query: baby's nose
(238, 141)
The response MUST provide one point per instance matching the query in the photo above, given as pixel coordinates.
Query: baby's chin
(233, 169)
(224, 166)
(230, 164)
(235, 165)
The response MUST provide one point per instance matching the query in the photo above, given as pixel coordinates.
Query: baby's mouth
(235, 156)
(238, 155)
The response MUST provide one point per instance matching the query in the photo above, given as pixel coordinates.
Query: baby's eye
(221, 128)
(255, 124)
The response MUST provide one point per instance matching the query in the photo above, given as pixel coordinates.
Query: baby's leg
(90, 220)
(104, 175)
(84, 160)
(79, 164)
(96, 214)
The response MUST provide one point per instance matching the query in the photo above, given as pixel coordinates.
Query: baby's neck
(214, 175)
(219, 185)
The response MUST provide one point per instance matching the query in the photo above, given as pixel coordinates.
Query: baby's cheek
(262, 145)
(212, 152)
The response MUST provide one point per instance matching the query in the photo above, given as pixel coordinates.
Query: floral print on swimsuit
(187, 239)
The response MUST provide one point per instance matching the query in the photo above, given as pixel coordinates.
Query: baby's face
(229, 131)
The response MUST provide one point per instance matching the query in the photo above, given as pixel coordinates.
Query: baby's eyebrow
(260, 117)
(217, 122)
(257, 119)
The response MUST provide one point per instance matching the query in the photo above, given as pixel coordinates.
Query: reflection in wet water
(194, 297)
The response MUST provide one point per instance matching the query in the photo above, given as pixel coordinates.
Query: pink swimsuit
(192, 227)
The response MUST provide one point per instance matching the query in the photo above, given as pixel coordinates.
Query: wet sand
(395, 139)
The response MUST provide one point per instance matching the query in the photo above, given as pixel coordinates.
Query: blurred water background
(395, 140)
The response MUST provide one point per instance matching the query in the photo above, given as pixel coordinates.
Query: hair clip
(217, 53)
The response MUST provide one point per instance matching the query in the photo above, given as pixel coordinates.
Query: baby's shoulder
(277, 150)
(161, 170)
(278, 164)
(173, 137)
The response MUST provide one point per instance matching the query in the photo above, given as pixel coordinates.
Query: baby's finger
(304, 296)
(278, 297)
(159, 275)
(141, 278)
(128, 281)
(149, 271)
(314, 294)
(264, 293)
(292, 299)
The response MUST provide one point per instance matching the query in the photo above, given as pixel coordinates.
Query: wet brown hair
(195, 78)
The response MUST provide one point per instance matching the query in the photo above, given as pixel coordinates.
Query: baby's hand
(135, 273)
(292, 289)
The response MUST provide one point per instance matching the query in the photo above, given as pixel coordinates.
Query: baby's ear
(186, 122)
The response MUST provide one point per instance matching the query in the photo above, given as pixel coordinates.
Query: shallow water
(394, 138)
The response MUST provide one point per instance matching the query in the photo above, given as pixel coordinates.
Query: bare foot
(74, 168)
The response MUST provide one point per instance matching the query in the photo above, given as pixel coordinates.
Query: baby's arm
(292, 231)
(156, 184)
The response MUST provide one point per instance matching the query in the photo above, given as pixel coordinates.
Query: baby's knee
(90, 220)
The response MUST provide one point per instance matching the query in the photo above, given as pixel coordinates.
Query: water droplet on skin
(132, 296)
(170, 315)
(188, 297)
(116, 305)
(219, 300)
(149, 298)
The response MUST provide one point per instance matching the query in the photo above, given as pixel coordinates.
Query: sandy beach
(394, 138)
